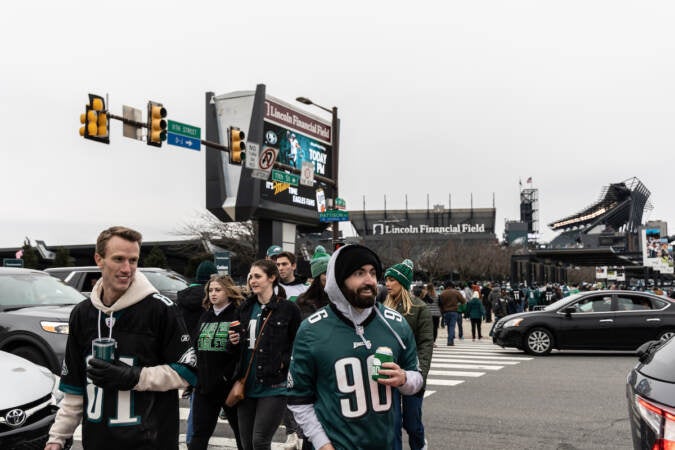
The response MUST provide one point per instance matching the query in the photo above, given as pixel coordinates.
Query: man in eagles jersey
(131, 401)
(331, 393)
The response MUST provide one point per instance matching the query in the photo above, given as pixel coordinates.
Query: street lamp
(335, 137)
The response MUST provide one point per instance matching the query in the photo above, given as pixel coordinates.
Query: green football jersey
(331, 367)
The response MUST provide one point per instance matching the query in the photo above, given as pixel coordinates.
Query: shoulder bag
(237, 392)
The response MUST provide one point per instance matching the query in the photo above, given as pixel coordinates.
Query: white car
(28, 403)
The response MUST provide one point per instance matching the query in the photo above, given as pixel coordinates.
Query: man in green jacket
(397, 280)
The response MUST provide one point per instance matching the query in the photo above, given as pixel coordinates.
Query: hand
(328, 446)
(115, 375)
(233, 336)
(397, 377)
(53, 446)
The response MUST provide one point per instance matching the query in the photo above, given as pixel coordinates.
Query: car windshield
(560, 303)
(166, 281)
(36, 289)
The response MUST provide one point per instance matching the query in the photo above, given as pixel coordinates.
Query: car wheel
(665, 335)
(32, 354)
(538, 342)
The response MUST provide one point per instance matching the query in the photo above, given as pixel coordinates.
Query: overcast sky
(439, 98)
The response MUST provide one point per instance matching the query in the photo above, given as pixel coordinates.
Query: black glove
(113, 375)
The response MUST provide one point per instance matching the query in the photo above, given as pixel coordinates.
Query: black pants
(475, 326)
(259, 419)
(436, 321)
(205, 410)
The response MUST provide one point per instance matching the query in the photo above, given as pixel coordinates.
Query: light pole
(335, 156)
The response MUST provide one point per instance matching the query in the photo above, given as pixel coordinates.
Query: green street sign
(284, 177)
(185, 130)
(334, 215)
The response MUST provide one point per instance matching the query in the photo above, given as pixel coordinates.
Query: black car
(650, 392)
(167, 282)
(34, 312)
(594, 320)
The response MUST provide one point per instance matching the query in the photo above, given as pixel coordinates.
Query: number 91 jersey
(331, 368)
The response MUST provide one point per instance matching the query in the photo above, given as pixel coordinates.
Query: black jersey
(216, 356)
(149, 333)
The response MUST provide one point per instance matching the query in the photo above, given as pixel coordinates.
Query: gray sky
(437, 98)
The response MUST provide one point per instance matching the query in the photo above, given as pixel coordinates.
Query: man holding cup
(128, 352)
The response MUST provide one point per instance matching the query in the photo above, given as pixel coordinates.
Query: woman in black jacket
(216, 360)
(269, 323)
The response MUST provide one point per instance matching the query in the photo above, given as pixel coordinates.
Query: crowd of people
(340, 359)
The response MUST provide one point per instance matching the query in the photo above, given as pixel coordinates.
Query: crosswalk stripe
(455, 373)
(437, 382)
(474, 361)
(481, 356)
(465, 366)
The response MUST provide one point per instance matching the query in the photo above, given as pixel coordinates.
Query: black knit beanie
(353, 257)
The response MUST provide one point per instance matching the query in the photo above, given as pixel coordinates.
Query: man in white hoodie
(130, 401)
(335, 400)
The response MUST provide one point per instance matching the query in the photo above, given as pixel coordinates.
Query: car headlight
(55, 327)
(513, 322)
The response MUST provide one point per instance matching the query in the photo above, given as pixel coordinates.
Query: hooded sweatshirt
(337, 336)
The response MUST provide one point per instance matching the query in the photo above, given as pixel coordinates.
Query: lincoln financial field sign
(379, 229)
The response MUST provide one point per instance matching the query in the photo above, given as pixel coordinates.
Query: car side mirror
(569, 310)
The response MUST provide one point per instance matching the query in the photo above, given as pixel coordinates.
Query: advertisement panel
(657, 252)
(298, 139)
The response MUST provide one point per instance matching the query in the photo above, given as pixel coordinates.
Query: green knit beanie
(402, 272)
(319, 261)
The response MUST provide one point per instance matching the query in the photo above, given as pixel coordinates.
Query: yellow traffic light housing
(95, 120)
(156, 124)
(236, 144)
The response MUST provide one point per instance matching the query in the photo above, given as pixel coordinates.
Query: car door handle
(654, 319)
(606, 320)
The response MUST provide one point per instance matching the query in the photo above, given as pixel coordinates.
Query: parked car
(593, 320)
(28, 403)
(34, 312)
(167, 282)
(650, 392)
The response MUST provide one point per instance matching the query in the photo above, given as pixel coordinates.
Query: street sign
(184, 130)
(284, 177)
(307, 174)
(334, 215)
(183, 141)
(252, 155)
(266, 160)
(12, 262)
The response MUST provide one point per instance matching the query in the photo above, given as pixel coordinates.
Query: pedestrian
(485, 297)
(429, 296)
(332, 393)
(409, 407)
(294, 285)
(315, 296)
(475, 312)
(130, 398)
(270, 323)
(499, 307)
(312, 300)
(190, 302)
(216, 360)
(450, 300)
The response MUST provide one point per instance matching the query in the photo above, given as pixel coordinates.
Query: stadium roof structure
(620, 207)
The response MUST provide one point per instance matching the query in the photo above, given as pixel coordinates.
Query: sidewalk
(442, 338)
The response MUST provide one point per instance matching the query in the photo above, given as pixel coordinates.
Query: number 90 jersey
(331, 368)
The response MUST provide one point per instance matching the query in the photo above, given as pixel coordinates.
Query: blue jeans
(411, 419)
(460, 326)
(189, 431)
(450, 320)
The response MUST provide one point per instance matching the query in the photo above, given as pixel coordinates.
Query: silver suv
(167, 282)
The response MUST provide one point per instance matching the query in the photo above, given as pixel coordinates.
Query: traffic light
(156, 124)
(95, 120)
(235, 142)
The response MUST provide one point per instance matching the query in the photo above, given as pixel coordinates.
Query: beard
(363, 297)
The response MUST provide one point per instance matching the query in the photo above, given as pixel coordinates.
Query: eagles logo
(189, 358)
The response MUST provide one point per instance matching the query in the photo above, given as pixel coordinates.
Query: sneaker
(291, 442)
(426, 444)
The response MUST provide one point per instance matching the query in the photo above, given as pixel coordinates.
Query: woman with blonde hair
(397, 280)
(216, 360)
